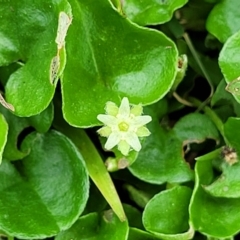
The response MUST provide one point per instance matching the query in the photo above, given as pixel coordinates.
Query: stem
(204, 71)
(212, 115)
(182, 100)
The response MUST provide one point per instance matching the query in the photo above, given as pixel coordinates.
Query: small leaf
(95, 226)
(228, 184)
(151, 12)
(229, 63)
(223, 20)
(121, 60)
(3, 135)
(212, 216)
(48, 189)
(166, 214)
(28, 32)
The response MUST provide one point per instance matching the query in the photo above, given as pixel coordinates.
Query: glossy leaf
(48, 189)
(228, 184)
(166, 214)
(162, 154)
(41, 122)
(95, 227)
(216, 217)
(121, 60)
(151, 12)
(27, 35)
(223, 20)
(3, 135)
(229, 62)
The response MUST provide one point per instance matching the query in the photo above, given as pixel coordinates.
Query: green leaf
(166, 214)
(228, 184)
(137, 234)
(195, 127)
(134, 216)
(151, 12)
(216, 217)
(3, 135)
(162, 153)
(121, 60)
(95, 226)
(229, 63)
(41, 122)
(48, 189)
(223, 20)
(27, 35)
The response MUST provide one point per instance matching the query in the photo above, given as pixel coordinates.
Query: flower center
(123, 126)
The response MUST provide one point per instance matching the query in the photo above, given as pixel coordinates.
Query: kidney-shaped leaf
(161, 158)
(111, 58)
(46, 191)
(166, 214)
(27, 34)
(3, 134)
(223, 21)
(217, 217)
(151, 12)
(229, 61)
(95, 227)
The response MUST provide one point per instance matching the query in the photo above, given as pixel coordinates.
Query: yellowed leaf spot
(5, 104)
(64, 22)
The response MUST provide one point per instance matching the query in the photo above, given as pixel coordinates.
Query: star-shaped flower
(123, 126)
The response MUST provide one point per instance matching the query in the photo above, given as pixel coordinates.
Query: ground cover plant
(119, 119)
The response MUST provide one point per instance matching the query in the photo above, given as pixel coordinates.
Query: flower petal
(132, 139)
(105, 131)
(124, 109)
(124, 147)
(141, 120)
(107, 119)
(113, 140)
(111, 108)
(143, 132)
(137, 110)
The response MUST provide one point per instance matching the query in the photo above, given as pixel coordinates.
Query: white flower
(123, 126)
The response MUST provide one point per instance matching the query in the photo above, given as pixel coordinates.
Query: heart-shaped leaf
(95, 226)
(223, 21)
(162, 154)
(3, 135)
(46, 191)
(151, 12)
(166, 214)
(112, 58)
(29, 34)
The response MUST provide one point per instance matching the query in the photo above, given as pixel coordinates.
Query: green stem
(212, 115)
(10, 238)
(204, 71)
